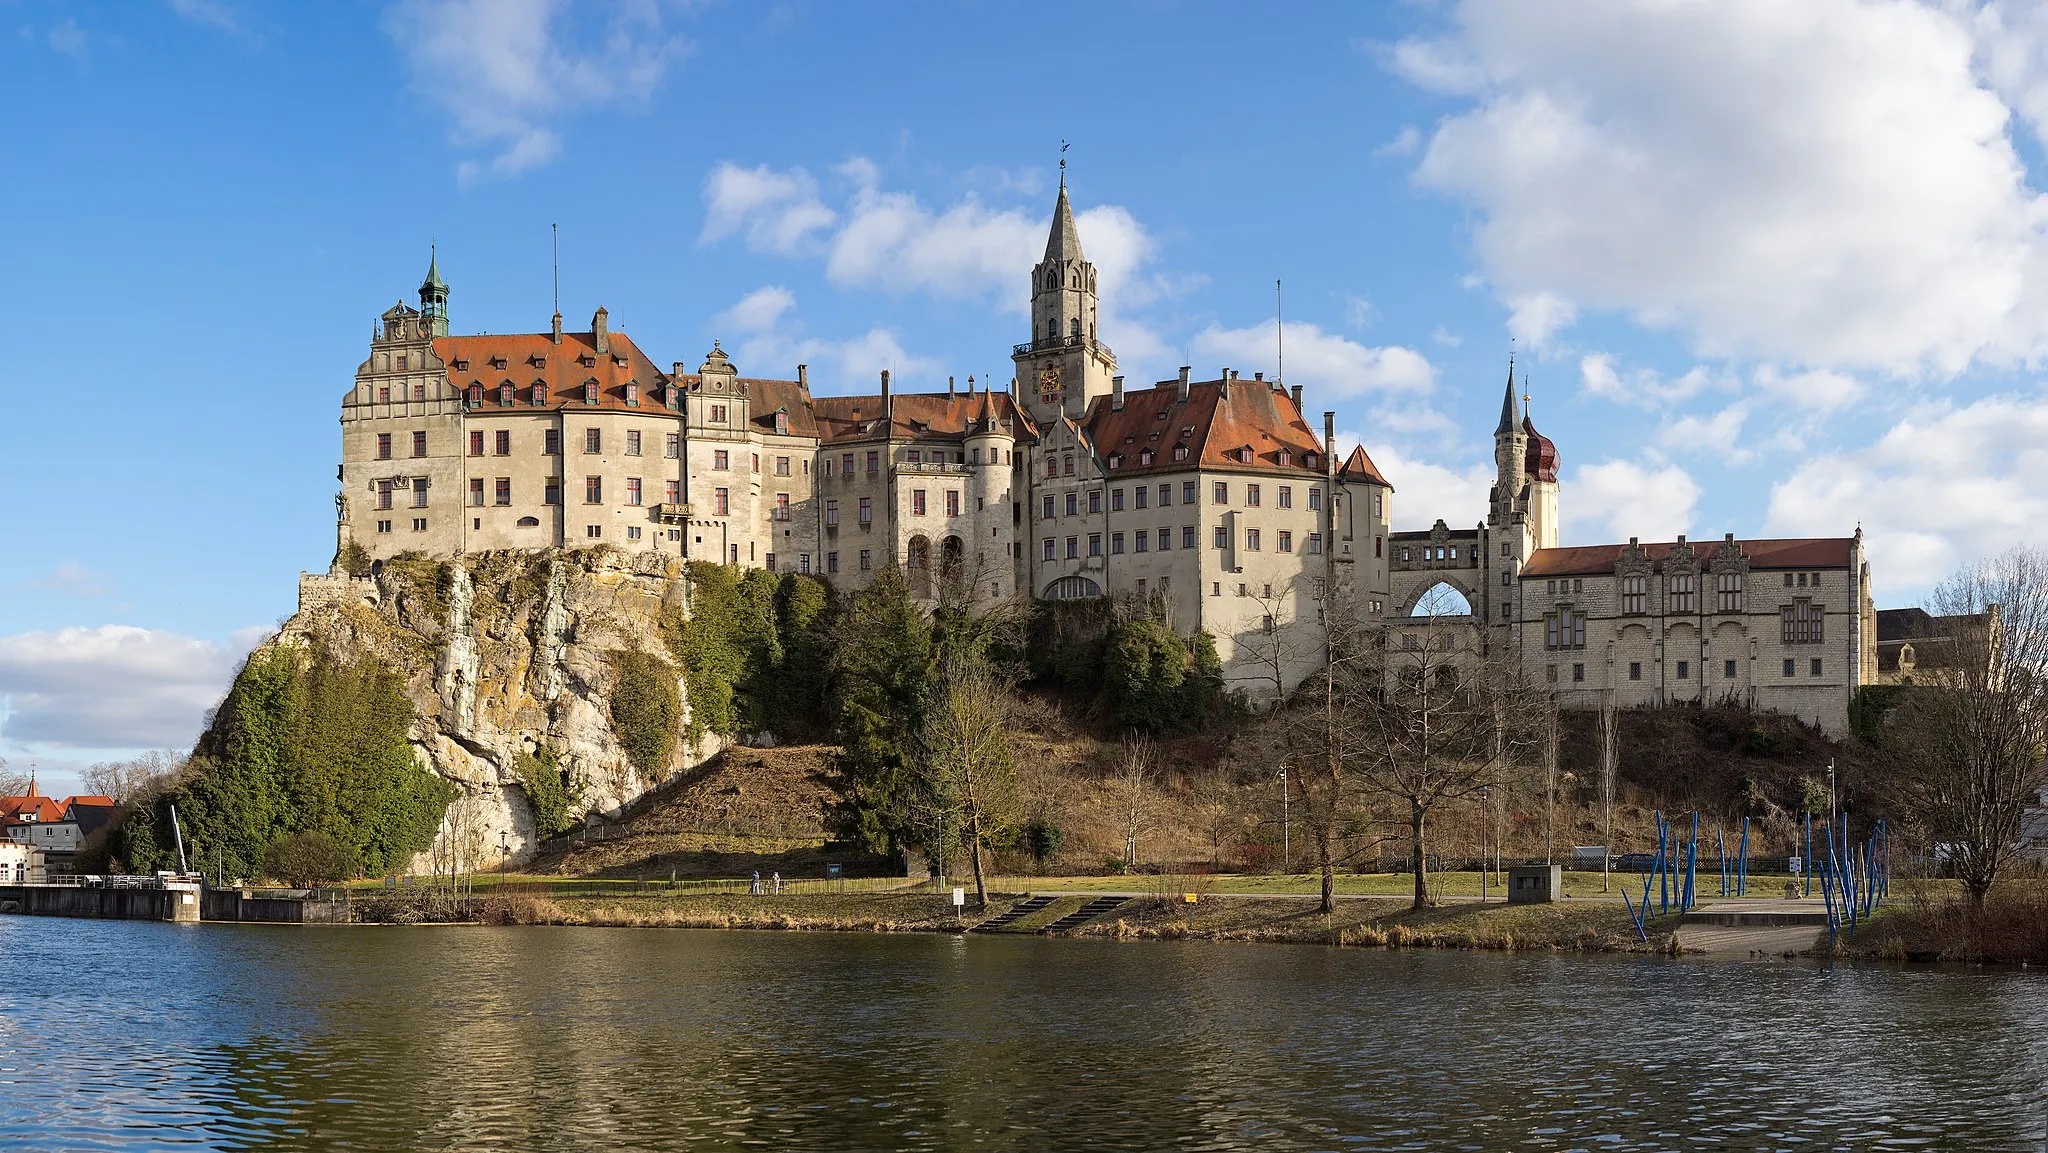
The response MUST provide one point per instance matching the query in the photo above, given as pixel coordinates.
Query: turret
(1510, 453)
(434, 296)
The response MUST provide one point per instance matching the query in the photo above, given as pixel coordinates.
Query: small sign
(959, 898)
(832, 870)
(1188, 897)
(1795, 866)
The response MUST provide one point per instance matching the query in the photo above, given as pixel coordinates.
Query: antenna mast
(1279, 339)
(556, 231)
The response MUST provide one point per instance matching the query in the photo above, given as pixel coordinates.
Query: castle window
(1681, 585)
(721, 460)
(1045, 512)
(590, 392)
(782, 505)
(1814, 667)
(1800, 623)
(1140, 540)
(401, 362)
(419, 444)
(419, 394)
(1165, 539)
(632, 396)
(1285, 457)
(1067, 465)
(1094, 501)
(593, 490)
(1221, 495)
(1789, 665)
(832, 514)
(384, 395)
(672, 445)
(1116, 544)
(781, 466)
(721, 501)
(831, 562)
(1284, 540)
(1308, 460)
(1073, 548)
(1635, 670)
(1222, 537)
(867, 560)
(553, 491)
(419, 492)
(1564, 629)
(867, 516)
(846, 464)
(633, 442)
(633, 490)
(1286, 496)
(1685, 670)
(1073, 504)
(540, 394)
(782, 424)
(1251, 496)
(1632, 594)
(476, 442)
(1579, 672)
(1728, 670)
(1141, 497)
(505, 395)
(1187, 536)
(1315, 502)
(383, 494)
(1116, 500)
(1728, 592)
(1116, 460)
(917, 502)
(717, 414)
(503, 493)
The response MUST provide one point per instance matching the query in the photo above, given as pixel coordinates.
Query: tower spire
(1510, 414)
(434, 293)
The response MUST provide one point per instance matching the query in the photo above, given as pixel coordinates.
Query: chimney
(558, 328)
(1681, 542)
(1183, 399)
(885, 394)
(970, 384)
(803, 377)
(1116, 394)
(600, 332)
(949, 387)
(1295, 392)
(1631, 542)
(1258, 376)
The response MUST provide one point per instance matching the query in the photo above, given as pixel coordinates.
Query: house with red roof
(55, 829)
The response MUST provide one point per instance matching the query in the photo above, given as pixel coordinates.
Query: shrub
(303, 860)
(647, 710)
(549, 790)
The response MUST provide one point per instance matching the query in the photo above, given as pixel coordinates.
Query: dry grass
(1925, 923)
(1375, 923)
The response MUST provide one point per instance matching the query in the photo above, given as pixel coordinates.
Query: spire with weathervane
(1510, 447)
(434, 295)
(1063, 365)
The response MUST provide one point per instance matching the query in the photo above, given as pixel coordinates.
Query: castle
(1215, 501)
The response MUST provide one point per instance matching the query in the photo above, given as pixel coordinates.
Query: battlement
(320, 589)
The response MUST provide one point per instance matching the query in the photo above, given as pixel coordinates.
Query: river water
(139, 1036)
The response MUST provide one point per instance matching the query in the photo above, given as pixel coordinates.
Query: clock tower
(1063, 367)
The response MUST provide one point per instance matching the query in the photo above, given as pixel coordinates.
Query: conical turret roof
(1510, 409)
(1064, 243)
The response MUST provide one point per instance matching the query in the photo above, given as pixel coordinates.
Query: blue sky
(1772, 269)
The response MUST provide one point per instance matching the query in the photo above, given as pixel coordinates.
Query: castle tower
(1510, 455)
(1062, 367)
(434, 297)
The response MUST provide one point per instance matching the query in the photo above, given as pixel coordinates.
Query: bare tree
(125, 780)
(1134, 788)
(1552, 738)
(1963, 754)
(12, 783)
(964, 752)
(1609, 767)
(1322, 740)
(1438, 722)
(1270, 642)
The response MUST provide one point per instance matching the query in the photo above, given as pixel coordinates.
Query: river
(139, 1036)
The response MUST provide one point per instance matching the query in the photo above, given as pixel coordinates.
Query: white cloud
(1618, 499)
(112, 687)
(1424, 491)
(1711, 434)
(1643, 387)
(772, 342)
(778, 210)
(1820, 390)
(1820, 183)
(74, 579)
(874, 238)
(211, 13)
(1535, 317)
(1446, 337)
(1406, 142)
(1943, 486)
(503, 70)
(1329, 363)
(69, 39)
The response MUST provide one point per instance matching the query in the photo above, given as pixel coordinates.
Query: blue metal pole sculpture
(1721, 846)
(1742, 862)
(1692, 861)
(1807, 861)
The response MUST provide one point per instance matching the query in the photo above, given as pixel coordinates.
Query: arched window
(1441, 600)
(1074, 327)
(1072, 588)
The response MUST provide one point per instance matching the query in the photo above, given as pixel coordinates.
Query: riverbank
(1937, 925)
(1580, 926)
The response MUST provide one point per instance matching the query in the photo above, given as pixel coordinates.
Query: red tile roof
(1796, 553)
(915, 416)
(1220, 420)
(1540, 460)
(526, 359)
(33, 807)
(1360, 466)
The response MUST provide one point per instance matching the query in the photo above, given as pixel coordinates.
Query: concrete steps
(1085, 914)
(1016, 912)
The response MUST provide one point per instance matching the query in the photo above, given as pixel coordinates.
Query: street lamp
(1286, 828)
(504, 850)
(1831, 788)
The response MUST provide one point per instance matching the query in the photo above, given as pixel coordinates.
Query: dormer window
(476, 395)
(1116, 461)
(619, 359)
(590, 392)
(537, 360)
(587, 360)
(1308, 460)
(505, 395)
(1285, 457)
(672, 396)
(632, 395)
(540, 393)
(781, 422)
(462, 364)
(1187, 432)
(1145, 458)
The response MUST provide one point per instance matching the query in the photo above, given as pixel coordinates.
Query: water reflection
(138, 1036)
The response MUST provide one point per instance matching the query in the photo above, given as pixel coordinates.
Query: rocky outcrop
(503, 653)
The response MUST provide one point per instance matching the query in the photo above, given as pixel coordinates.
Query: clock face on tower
(1049, 384)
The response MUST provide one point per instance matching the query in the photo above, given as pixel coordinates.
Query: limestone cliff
(502, 654)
